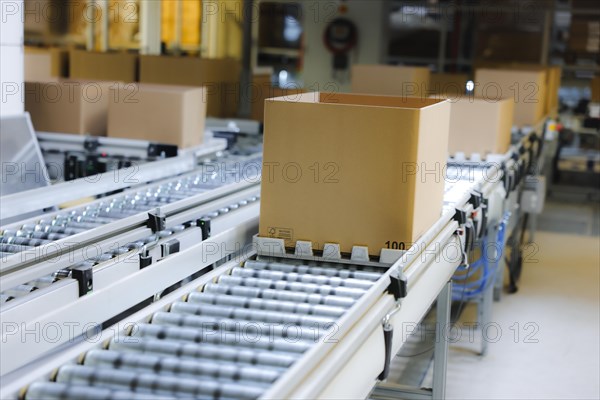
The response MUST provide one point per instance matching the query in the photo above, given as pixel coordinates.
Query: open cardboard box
(353, 169)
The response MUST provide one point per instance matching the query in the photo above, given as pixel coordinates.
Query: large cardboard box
(595, 88)
(220, 77)
(480, 126)
(103, 66)
(353, 169)
(526, 86)
(161, 113)
(68, 106)
(453, 85)
(390, 80)
(43, 64)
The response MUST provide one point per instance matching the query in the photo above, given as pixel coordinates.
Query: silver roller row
(232, 339)
(62, 225)
(25, 289)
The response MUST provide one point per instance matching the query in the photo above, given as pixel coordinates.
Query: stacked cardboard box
(68, 106)
(103, 66)
(390, 80)
(160, 113)
(527, 86)
(480, 126)
(42, 64)
(353, 169)
(220, 77)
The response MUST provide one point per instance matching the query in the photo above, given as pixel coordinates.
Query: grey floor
(544, 342)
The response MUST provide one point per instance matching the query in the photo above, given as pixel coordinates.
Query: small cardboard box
(219, 77)
(43, 64)
(68, 106)
(480, 126)
(353, 169)
(452, 85)
(527, 86)
(390, 80)
(103, 66)
(159, 113)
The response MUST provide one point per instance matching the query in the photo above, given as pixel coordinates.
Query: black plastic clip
(484, 217)
(204, 225)
(85, 278)
(475, 199)
(145, 259)
(91, 144)
(155, 222)
(460, 216)
(160, 149)
(398, 286)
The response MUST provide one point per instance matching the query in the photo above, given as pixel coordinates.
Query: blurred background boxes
(220, 77)
(161, 113)
(452, 84)
(390, 80)
(528, 88)
(116, 66)
(480, 126)
(45, 63)
(350, 169)
(69, 106)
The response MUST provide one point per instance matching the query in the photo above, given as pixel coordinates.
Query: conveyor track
(62, 225)
(231, 339)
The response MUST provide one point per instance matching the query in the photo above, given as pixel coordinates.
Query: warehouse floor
(549, 345)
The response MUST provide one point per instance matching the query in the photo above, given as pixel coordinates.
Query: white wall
(367, 15)
(11, 57)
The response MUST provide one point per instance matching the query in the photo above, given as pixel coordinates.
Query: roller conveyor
(231, 339)
(22, 237)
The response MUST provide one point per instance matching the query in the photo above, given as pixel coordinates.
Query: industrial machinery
(163, 289)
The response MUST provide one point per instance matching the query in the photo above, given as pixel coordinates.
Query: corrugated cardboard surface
(68, 106)
(390, 80)
(160, 113)
(220, 77)
(342, 168)
(527, 87)
(453, 85)
(553, 78)
(103, 66)
(480, 126)
(42, 64)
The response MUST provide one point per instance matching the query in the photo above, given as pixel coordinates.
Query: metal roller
(220, 371)
(281, 295)
(192, 335)
(61, 391)
(246, 328)
(304, 278)
(292, 286)
(154, 383)
(236, 313)
(313, 270)
(208, 352)
(267, 305)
